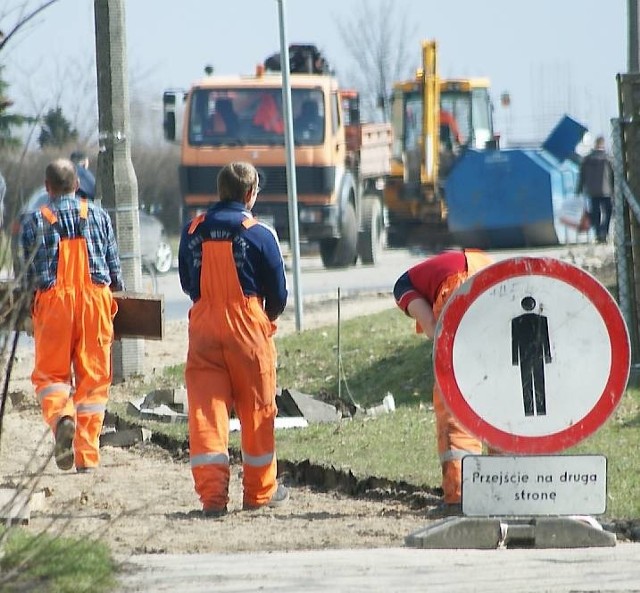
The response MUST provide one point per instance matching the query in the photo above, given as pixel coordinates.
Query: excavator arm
(430, 114)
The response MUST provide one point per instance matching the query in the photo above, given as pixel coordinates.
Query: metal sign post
(292, 191)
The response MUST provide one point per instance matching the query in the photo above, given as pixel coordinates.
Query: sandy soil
(142, 500)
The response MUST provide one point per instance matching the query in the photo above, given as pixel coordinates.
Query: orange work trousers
(454, 442)
(231, 363)
(73, 332)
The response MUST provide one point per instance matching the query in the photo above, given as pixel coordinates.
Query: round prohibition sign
(581, 366)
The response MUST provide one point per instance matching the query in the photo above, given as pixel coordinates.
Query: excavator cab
(466, 112)
(433, 121)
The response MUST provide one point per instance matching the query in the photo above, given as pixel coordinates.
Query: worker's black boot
(63, 450)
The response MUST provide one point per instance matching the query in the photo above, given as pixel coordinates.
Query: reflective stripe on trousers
(230, 365)
(454, 442)
(73, 328)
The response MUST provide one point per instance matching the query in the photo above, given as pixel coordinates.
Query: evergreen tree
(56, 130)
(8, 120)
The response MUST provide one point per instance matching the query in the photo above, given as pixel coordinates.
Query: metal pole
(621, 242)
(633, 41)
(628, 155)
(339, 361)
(292, 191)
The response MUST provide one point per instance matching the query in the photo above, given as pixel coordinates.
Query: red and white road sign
(532, 355)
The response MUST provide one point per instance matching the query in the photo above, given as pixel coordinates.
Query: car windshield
(242, 116)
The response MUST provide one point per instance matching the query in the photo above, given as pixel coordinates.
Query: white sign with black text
(534, 485)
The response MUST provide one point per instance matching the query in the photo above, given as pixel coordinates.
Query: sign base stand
(489, 533)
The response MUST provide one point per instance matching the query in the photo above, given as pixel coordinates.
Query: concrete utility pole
(117, 183)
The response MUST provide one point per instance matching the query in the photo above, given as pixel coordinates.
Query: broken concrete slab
(162, 413)
(36, 501)
(176, 399)
(16, 505)
(125, 438)
(18, 398)
(293, 403)
(489, 533)
(280, 422)
(134, 407)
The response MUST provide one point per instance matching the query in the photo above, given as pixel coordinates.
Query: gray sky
(552, 56)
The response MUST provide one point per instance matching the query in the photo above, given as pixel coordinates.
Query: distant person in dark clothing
(596, 181)
(86, 180)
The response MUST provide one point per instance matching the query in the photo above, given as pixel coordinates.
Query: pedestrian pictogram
(532, 355)
(531, 350)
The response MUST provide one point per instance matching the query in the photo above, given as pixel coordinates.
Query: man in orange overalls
(421, 292)
(73, 267)
(231, 267)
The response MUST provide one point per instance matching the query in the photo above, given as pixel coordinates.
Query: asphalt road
(315, 282)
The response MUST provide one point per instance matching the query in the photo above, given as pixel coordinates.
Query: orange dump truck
(340, 163)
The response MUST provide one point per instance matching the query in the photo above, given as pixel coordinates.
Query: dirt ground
(141, 499)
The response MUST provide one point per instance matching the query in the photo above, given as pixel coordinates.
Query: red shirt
(424, 279)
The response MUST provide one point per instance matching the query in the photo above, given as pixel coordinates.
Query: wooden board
(139, 315)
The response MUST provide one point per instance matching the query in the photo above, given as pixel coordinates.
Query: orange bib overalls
(73, 327)
(454, 442)
(231, 363)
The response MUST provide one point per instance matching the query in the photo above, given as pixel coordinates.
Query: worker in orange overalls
(421, 292)
(268, 116)
(73, 267)
(231, 267)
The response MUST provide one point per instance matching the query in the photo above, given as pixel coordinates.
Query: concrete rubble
(295, 410)
(16, 505)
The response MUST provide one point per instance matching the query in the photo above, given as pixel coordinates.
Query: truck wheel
(372, 237)
(342, 252)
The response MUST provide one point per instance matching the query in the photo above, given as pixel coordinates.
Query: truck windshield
(239, 116)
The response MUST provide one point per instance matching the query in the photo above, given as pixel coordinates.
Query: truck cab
(241, 118)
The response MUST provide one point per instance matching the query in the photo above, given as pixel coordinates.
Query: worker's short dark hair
(77, 156)
(235, 180)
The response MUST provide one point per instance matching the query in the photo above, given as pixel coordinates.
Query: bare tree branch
(376, 38)
(23, 18)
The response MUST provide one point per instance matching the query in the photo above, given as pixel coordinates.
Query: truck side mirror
(170, 126)
(172, 111)
(354, 114)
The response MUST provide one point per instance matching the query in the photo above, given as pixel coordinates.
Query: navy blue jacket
(256, 252)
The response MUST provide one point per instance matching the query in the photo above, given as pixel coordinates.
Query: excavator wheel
(342, 252)
(372, 237)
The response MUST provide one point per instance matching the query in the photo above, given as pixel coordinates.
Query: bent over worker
(73, 267)
(421, 292)
(231, 267)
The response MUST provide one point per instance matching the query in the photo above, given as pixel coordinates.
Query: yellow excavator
(434, 120)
